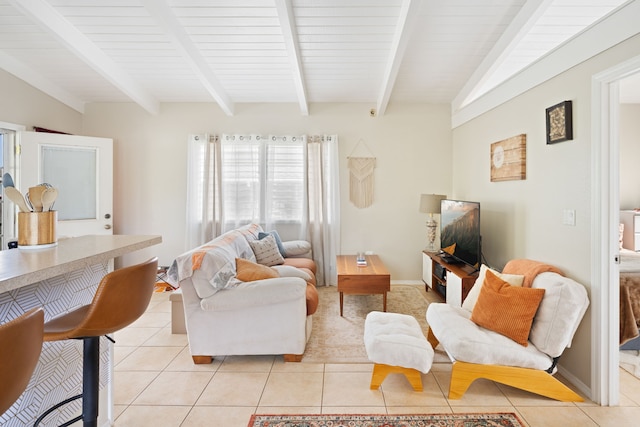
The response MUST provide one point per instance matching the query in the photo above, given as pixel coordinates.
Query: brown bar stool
(20, 347)
(121, 298)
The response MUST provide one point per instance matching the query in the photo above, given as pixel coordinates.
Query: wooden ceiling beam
(517, 29)
(409, 12)
(288, 27)
(47, 17)
(172, 28)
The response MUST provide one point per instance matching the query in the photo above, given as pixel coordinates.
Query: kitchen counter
(59, 279)
(21, 267)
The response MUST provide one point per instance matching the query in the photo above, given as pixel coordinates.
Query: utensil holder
(37, 228)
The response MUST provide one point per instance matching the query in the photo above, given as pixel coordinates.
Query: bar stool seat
(20, 347)
(121, 298)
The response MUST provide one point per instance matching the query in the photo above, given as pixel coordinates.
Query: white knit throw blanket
(361, 181)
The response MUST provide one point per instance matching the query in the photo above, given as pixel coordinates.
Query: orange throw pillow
(506, 309)
(248, 271)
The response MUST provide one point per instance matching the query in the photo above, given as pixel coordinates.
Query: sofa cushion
(307, 275)
(565, 302)
(506, 309)
(465, 341)
(301, 263)
(276, 236)
(291, 271)
(248, 271)
(471, 299)
(266, 251)
(296, 248)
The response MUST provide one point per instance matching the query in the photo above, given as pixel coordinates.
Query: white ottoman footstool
(395, 344)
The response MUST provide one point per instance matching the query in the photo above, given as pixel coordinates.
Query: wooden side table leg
(384, 301)
(341, 301)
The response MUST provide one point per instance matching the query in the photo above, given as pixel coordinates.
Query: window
(263, 179)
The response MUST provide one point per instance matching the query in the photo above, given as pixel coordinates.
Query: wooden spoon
(35, 197)
(48, 198)
(16, 197)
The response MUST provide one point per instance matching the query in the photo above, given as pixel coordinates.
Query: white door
(81, 168)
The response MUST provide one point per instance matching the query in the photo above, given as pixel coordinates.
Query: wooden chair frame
(531, 380)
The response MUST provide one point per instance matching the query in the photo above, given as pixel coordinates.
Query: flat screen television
(460, 231)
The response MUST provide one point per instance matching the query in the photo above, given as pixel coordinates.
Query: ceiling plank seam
(47, 17)
(286, 18)
(181, 40)
(409, 13)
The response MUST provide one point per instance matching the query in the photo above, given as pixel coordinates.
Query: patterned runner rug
(430, 420)
(336, 339)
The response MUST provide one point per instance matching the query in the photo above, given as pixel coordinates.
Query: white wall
(523, 219)
(412, 144)
(22, 104)
(629, 156)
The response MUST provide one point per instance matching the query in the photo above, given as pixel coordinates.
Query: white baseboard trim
(575, 381)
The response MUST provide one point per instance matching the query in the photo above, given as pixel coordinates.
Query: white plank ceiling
(281, 51)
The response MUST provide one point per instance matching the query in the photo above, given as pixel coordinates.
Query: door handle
(107, 226)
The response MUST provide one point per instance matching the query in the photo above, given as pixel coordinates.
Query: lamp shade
(430, 203)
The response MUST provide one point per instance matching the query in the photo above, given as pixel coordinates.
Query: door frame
(605, 205)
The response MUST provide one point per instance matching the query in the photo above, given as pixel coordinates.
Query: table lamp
(430, 203)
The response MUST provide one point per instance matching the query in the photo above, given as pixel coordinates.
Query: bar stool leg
(90, 381)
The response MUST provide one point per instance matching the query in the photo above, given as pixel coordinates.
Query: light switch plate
(569, 217)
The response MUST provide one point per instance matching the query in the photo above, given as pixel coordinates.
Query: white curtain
(286, 183)
(324, 205)
(201, 190)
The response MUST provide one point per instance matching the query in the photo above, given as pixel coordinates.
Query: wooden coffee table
(355, 280)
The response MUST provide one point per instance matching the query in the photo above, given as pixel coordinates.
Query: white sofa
(266, 316)
(477, 352)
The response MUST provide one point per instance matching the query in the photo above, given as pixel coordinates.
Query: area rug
(336, 339)
(428, 420)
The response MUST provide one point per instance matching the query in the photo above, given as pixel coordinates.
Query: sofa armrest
(297, 249)
(257, 293)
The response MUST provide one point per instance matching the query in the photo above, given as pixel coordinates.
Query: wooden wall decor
(509, 159)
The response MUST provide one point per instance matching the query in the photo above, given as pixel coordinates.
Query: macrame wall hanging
(361, 178)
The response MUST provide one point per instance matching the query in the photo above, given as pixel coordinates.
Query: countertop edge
(23, 279)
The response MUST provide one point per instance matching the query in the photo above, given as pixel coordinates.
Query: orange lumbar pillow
(248, 271)
(506, 309)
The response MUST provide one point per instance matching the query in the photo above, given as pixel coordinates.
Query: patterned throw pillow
(274, 233)
(266, 251)
(506, 309)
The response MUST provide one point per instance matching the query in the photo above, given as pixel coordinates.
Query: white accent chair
(477, 352)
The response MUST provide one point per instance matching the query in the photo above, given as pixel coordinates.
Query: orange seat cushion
(301, 263)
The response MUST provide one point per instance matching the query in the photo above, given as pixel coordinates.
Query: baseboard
(582, 387)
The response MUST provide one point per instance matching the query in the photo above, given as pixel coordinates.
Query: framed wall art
(559, 123)
(509, 159)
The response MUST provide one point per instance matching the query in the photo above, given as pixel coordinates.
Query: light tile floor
(157, 384)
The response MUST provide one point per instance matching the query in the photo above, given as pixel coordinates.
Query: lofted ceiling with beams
(281, 51)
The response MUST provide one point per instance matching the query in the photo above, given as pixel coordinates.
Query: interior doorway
(605, 378)
(8, 164)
